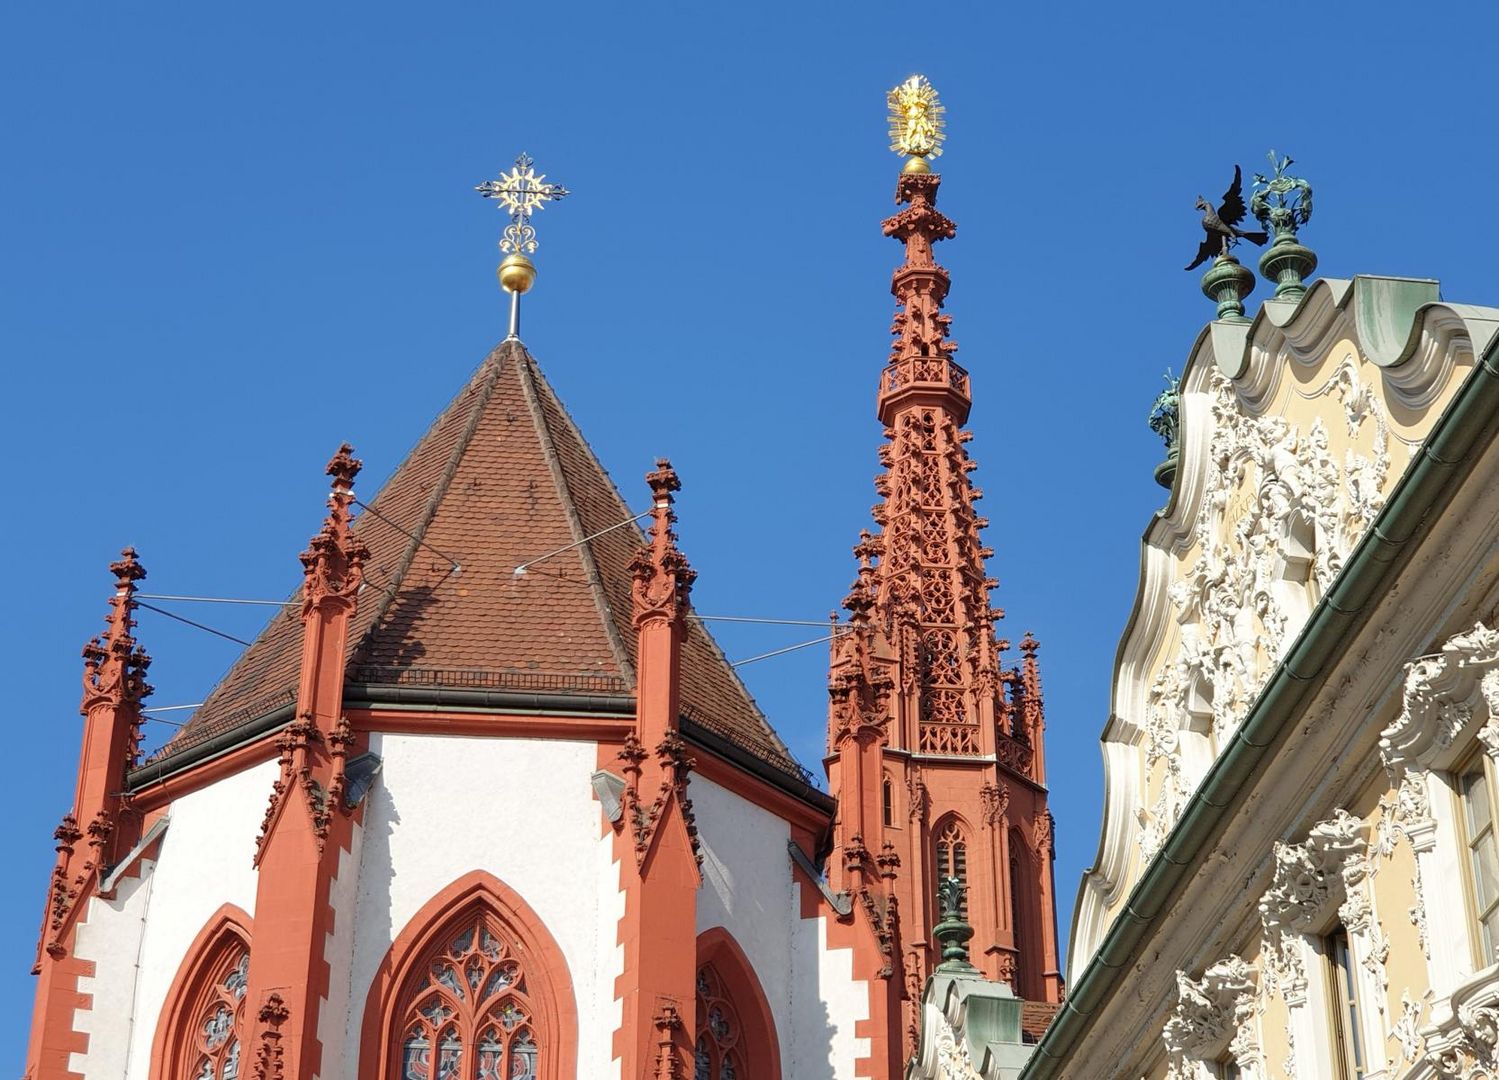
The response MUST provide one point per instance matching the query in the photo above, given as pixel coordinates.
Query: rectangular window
(1347, 1036)
(1228, 1069)
(1475, 788)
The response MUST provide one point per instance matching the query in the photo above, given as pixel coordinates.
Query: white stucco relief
(1277, 518)
(1315, 885)
(1320, 403)
(1214, 1015)
(1450, 699)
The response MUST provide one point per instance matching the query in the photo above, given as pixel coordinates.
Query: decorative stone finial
(1283, 203)
(663, 580)
(333, 564)
(343, 467)
(1165, 421)
(114, 666)
(953, 931)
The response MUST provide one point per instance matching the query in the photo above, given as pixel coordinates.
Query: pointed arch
(950, 841)
(1022, 921)
(474, 979)
(200, 1032)
(734, 1021)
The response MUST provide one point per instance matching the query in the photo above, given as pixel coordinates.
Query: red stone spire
(935, 747)
(659, 929)
(114, 685)
(307, 823)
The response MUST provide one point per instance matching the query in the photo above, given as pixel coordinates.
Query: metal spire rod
(196, 625)
(367, 508)
(787, 649)
(218, 600)
(520, 571)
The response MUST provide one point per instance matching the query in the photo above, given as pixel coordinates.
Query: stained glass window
(466, 1011)
(215, 1051)
(719, 1054)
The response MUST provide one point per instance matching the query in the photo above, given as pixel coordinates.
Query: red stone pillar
(306, 823)
(114, 685)
(1051, 970)
(657, 990)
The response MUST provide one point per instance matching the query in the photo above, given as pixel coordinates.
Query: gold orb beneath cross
(517, 273)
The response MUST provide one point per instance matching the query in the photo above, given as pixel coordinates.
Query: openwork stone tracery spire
(934, 746)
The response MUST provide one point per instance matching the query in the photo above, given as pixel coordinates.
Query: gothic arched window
(473, 988)
(952, 857)
(735, 1037)
(203, 1022)
(466, 1010)
(720, 1050)
(887, 801)
(220, 1016)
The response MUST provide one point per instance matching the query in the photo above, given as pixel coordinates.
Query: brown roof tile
(502, 477)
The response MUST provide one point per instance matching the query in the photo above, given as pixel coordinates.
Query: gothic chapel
(276, 894)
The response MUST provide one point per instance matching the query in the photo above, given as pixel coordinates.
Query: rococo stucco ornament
(1214, 1013)
(1466, 1044)
(1278, 517)
(1441, 693)
(1311, 881)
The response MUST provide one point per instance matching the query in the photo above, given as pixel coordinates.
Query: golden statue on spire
(916, 122)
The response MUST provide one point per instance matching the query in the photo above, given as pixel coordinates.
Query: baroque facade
(1296, 872)
(276, 893)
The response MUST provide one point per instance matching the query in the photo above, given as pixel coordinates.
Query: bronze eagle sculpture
(1221, 225)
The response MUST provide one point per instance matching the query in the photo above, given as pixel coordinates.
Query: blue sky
(235, 237)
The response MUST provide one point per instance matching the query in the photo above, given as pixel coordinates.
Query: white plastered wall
(748, 889)
(448, 805)
(139, 940)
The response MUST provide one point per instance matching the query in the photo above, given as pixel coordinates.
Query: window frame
(176, 1051)
(550, 987)
(1483, 946)
(1345, 1010)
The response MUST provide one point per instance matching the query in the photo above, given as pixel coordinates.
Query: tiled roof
(502, 477)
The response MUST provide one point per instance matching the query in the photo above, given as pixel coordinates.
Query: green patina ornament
(953, 932)
(1165, 421)
(1283, 203)
(1228, 283)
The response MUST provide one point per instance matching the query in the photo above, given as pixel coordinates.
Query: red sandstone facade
(935, 766)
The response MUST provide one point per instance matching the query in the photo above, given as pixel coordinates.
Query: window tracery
(467, 1013)
(952, 858)
(203, 1021)
(719, 1053)
(220, 1016)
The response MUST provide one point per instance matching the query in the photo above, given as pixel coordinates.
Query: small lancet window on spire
(952, 858)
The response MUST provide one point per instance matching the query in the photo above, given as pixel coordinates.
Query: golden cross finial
(916, 121)
(521, 191)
